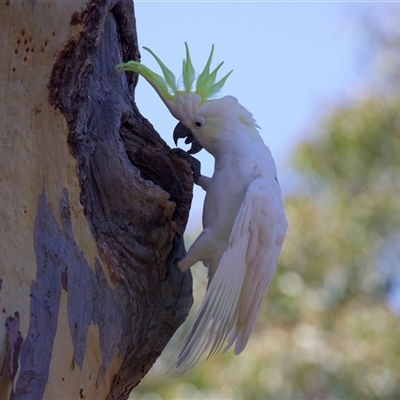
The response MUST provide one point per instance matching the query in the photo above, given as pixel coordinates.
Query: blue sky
(291, 62)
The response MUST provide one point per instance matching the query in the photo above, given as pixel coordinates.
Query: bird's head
(186, 103)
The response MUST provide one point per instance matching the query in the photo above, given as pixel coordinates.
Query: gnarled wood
(93, 207)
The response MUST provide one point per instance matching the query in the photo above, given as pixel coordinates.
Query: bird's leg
(203, 182)
(197, 252)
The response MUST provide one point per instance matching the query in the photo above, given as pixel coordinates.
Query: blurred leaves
(325, 330)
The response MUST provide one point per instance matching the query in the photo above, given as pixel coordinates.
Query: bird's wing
(231, 303)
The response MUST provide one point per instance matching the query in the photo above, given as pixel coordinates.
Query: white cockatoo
(244, 222)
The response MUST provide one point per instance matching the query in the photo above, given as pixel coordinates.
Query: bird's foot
(194, 163)
(182, 265)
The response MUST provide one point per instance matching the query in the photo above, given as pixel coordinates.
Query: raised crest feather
(168, 75)
(167, 87)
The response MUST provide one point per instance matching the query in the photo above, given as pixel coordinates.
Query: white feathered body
(241, 163)
(243, 218)
(244, 228)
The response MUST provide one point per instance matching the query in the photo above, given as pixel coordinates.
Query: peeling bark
(134, 194)
(14, 344)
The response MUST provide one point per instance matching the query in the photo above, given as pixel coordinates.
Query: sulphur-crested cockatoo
(243, 218)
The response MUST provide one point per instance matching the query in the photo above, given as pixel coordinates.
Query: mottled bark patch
(61, 265)
(135, 192)
(14, 344)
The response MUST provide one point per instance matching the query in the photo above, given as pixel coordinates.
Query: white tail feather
(230, 307)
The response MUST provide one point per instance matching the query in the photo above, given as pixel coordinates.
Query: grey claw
(193, 162)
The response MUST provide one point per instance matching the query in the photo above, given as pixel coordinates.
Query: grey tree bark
(93, 208)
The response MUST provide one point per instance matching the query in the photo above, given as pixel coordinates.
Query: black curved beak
(181, 132)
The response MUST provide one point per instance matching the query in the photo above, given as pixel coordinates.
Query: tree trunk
(93, 205)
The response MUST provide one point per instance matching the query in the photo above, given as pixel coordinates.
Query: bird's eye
(198, 121)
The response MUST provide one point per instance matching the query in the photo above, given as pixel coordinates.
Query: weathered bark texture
(93, 205)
